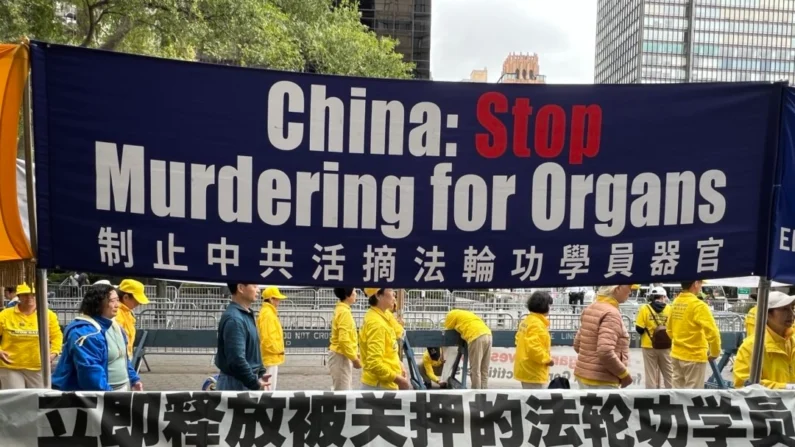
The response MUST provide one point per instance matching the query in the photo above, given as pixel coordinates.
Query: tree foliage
(281, 34)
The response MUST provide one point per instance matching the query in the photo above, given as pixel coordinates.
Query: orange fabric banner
(14, 68)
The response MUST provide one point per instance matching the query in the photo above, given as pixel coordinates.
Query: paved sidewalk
(188, 373)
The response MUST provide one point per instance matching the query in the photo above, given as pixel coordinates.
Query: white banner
(750, 416)
(501, 369)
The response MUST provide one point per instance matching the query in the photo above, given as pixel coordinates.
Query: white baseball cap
(658, 291)
(779, 299)
(102, 282)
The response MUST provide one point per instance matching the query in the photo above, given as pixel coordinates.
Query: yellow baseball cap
(24, 289)
(370, 291)
(635, 286)
(272, 293)
(134, 288)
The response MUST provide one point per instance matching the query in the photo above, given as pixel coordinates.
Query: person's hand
(52, 357)
(626, 381)
(402, 383)
(265, 382)
(139, 386)
(404, 372)
(357, 364)
(712, 359)
(442, 384)
(4, 356)
(400, 320)
(551, 363)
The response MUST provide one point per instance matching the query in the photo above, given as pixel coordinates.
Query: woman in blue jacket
(94, 356)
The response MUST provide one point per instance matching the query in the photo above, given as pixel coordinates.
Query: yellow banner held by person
(14, 245)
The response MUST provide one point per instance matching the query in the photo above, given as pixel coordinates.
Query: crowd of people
(95, 351)
(251, 349)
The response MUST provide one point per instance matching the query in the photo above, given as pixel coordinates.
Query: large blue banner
(171, 169)
(782, 253)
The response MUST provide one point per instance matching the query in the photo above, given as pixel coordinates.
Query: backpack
(660, 338)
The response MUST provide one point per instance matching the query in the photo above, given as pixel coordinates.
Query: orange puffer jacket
(602, 344)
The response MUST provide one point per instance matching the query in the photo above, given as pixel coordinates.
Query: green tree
(297, 35)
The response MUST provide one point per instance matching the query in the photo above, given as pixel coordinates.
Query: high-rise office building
(478, 76)
(521, 69)
(664, 41)
(408, 21)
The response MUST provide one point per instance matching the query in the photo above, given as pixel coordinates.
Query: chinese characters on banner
(495, 418)
(315, 180)
(378, 263)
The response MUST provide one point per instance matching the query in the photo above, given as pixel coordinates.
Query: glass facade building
(664, 41)
(408, 21)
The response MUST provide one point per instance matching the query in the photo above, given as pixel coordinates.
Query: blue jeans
(229, 383)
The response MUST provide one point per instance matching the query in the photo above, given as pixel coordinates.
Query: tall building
(408, 21)
(478, 75)
(521, 69)
(665, 41)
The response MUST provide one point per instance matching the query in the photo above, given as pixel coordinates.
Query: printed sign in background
(164, 168)
(445, 419)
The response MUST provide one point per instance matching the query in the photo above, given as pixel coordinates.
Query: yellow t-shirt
(19, 338)
(691, 326)
(649, 319)
(467, 324)
(271, 336)
(344, 339)
(778, 361)
(126, 320)
(379, 351)
(533, 350)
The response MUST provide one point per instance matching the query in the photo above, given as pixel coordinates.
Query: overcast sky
(472, 34)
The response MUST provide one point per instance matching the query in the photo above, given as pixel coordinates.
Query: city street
(188, 373)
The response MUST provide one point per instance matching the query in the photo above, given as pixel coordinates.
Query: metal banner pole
(759, 331)
(40, 283)
(44, 326)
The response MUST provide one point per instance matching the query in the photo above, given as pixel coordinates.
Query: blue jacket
(83, 365)
(238, 346)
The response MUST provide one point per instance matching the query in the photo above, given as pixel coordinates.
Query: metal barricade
(209, 304)
(64, 291)
(296, 320)
(156, 317)
(562, 321)
(730, 322)
(192, 291)
(191, 319)
(65, 314)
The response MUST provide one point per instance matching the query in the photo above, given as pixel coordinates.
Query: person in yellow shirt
(778, 357)
(694, 338)
(271, 335)
(750, 318)
(395, 322)
(649, 323)
(344, 346)
(20, 360)
(534, 344)
(378, 346)
(432, 361)
(478, 337)
(131, 295)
